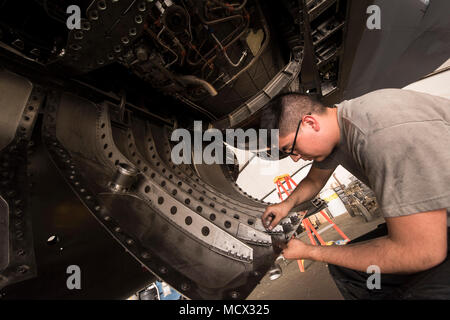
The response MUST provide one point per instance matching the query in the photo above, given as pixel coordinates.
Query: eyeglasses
(291, 153)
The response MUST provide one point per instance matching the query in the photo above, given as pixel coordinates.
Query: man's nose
(295, 158)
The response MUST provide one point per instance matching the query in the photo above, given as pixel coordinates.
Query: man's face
(309, 144)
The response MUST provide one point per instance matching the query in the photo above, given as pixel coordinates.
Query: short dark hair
(284, 111)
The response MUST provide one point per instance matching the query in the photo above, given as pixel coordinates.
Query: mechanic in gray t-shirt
(398, 143)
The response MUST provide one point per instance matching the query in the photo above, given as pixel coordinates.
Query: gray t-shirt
(398, 143)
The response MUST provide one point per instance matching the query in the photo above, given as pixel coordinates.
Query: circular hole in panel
(53, 239)
(205, 231)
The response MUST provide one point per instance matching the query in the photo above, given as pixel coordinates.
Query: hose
(229, 6)
(190, 79)
(260, 51)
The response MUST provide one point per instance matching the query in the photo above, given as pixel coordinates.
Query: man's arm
(415, 243)
(308, 188)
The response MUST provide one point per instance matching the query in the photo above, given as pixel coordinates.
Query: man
(398, 143)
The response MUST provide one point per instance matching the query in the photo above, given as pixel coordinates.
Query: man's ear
(311, 121)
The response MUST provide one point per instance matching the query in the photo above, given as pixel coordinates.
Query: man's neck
(332, 115)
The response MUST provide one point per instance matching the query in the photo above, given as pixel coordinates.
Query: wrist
(290, 202)
(314, 253)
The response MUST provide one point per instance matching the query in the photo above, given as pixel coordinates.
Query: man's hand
(274, 213)
(297, 249)
(415, 243)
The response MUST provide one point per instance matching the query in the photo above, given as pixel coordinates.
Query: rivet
(86, 25)
(138, 19)
(93, 15)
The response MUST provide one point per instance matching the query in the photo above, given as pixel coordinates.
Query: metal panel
(14, 94)
(187, 256)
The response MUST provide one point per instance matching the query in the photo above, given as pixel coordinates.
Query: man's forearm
(306, 190)
(389, 256)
